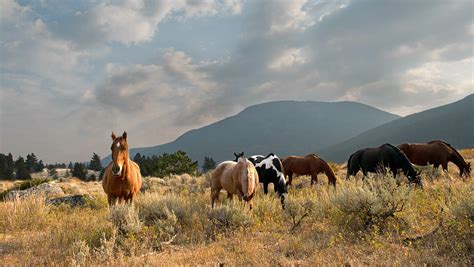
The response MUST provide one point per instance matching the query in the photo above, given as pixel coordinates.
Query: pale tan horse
(122, 179)
(239, 178)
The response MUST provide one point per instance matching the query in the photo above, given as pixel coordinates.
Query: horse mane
(311, 155)
(400, 152)
(455, 152)
(270, 155)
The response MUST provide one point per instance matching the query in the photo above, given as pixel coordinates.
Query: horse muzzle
(116, 170)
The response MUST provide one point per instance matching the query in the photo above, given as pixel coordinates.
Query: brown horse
(436, 152)
(239, 178)
(122, 179)
(308, 165)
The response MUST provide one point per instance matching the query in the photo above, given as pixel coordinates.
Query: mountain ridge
(274, 127)
(453, 123)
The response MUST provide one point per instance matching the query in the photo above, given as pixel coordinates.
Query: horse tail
(250, 184)
(349, 166)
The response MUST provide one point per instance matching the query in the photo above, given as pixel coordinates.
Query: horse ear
(124, 135)
(235, 154)
(113, 136)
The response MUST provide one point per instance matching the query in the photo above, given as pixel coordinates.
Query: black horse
(377, 159)
(270, 170)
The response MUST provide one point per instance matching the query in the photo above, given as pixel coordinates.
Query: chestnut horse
(438, 153)
(239, 178)
(308, 165)
(122, 179)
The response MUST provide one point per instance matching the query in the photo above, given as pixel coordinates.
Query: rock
(47, 190)
(73, 201)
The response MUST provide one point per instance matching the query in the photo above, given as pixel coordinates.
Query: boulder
(73, 201)
(47, 190)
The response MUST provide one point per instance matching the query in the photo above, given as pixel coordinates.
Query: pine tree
(31, 162)
(208, 164)
(79, 171)
(95, 163)
(22, 172)
(39, 167)
(10, 167)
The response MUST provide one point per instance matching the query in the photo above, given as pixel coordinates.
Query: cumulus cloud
(87, 65)
(133, 22)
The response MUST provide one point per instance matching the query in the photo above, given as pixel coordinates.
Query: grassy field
(377, 221)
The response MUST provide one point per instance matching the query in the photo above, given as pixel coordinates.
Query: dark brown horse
(377, 159)
(122, 179)
(438, 153)
(308, 165)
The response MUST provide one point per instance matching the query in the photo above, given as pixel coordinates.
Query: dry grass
(172, 223)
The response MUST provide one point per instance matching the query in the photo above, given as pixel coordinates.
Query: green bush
(371, 204)
(296, 210)
(172, 215)
(226, 219)
(125, 218)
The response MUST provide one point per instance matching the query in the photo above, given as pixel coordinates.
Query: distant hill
(453, 123)
(283, 127)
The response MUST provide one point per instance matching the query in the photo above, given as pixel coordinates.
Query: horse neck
(328, 170)
(458, 160)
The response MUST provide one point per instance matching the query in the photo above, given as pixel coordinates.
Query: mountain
(453, 123)
(282, 127)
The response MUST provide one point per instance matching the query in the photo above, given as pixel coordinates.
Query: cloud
(133, 22)
(89, 67)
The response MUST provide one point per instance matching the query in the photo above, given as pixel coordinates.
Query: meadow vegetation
(379, 220)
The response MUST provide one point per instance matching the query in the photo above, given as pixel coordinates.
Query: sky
(73, 71)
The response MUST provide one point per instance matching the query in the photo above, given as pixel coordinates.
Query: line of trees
(159, 166)
(166, 164)
(20, 168)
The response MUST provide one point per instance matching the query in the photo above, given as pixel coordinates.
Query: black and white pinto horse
(270, 170)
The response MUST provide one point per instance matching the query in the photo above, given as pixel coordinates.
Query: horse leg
(290, 178)
(314, 178)
(229, 196)
(215, 195)
(110, 199)
(265, 188)
(444, 165)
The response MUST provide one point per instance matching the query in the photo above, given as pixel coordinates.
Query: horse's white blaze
(118, 144)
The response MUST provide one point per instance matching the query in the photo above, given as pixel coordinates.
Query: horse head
(238, 155)
(414, 177)
(119, 153)
(466, 170)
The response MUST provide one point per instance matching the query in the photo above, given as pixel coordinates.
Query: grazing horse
(270, 170)
(377, 159)
(122, 179)
(438, 153)
(308, 165)
(239, 178)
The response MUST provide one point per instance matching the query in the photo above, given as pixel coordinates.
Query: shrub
(267, 209)
(372, 203)
(125, 218)
(298, 210)
(228, 218)
(173, 215)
